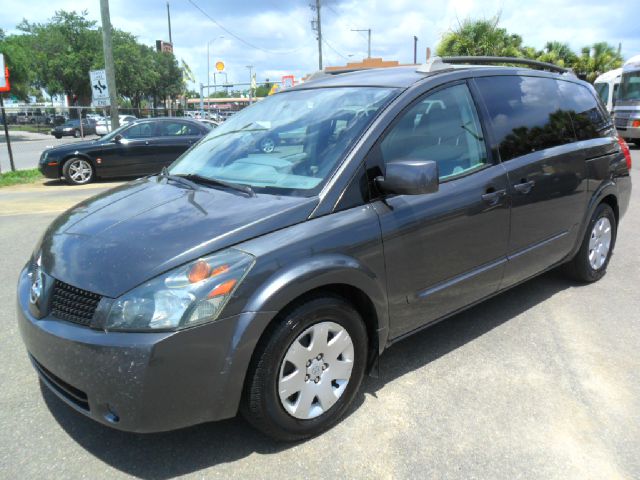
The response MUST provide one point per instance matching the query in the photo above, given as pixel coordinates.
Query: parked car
(210, 123)
(138, 148)
(56, 119)
(104, 126)
(72, 128)
(271, 283)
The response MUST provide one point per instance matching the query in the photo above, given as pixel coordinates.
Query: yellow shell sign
(219, 66)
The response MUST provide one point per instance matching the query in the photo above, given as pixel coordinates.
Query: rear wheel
(590, 263)
(307, 371)
(76, 134)
(78, 171)
(637, 142)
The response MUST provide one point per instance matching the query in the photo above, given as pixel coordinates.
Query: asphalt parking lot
(539, 382)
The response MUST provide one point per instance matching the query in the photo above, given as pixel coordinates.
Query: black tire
(58, 136)
(579, 268)
(261, 405)
(76, 134)
(637, 142)
(68, 176)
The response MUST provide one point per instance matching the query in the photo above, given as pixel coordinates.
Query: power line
(332, 48)
(240, 39)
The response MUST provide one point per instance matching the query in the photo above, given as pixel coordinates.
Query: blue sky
(286, 45)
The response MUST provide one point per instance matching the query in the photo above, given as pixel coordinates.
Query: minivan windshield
(288, 143)
(629, 87)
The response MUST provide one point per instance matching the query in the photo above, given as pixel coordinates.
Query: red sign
(7, 86)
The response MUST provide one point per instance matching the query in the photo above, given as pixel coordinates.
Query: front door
(447, 249)
(132, 154)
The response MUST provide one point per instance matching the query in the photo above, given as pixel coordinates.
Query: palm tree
(597, 59)
(558, 53)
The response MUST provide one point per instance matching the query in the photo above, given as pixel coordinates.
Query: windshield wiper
(164, 173)
(194, 177)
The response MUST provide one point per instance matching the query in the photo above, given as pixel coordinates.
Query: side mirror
(117, 138)
(409, 177)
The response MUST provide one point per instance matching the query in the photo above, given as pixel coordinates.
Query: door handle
(492, 197)
(524, 187)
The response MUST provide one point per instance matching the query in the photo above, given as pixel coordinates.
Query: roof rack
(443, 63)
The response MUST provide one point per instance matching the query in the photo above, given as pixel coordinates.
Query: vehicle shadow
(165, 455)
(95, 183)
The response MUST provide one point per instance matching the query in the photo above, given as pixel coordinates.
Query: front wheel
(267, 144)
(590, 263)
(307, 371)
(78, 171)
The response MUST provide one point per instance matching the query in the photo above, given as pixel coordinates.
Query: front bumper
(49, 171)
(143, 382)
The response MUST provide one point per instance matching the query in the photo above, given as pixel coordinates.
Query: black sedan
(72, 128)
(139, 148)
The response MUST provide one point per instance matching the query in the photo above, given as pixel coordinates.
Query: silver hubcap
(316, 370)
(80, 171)
(599, 243)
(268, 145)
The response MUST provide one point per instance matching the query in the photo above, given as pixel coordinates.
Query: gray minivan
(270, 283)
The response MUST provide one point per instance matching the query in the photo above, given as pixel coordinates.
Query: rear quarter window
(589, 121)
(527, 114)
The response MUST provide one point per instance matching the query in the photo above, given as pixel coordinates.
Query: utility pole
(6, 133)
(316, 26)
(415, 49)
(169, 22)
(108, 62)
(368, 30)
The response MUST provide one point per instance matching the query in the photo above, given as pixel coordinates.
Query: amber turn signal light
(222, 289)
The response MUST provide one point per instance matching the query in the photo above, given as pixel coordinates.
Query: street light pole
(209, 64)
(368, 30)
(250, 67)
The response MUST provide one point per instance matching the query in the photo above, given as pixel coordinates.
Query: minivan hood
(119, 239)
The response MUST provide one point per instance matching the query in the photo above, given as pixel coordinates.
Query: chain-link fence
(34, 128)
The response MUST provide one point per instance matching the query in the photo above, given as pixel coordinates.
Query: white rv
(626, 112)
(606, 86)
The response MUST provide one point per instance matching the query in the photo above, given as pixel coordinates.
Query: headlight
(190, 295)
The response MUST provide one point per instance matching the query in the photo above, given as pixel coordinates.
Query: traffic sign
(220, 66)
(99, 89)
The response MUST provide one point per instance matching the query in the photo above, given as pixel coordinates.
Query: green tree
(597, 59)
(480, 37)
(63, 51)
(168, 83)
(19, 60)
(263, 90)
(558, 53)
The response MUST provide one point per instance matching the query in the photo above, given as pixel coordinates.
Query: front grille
(69, 392)
(73, 304)
(621, 122)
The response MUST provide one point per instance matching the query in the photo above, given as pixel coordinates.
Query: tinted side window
(141, 130)
(588, 120)
(443, 127)
(173, 129)
(526, 113)
(603, 91)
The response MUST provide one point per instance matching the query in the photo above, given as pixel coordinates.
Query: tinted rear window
(588, 120)
(527, 114)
